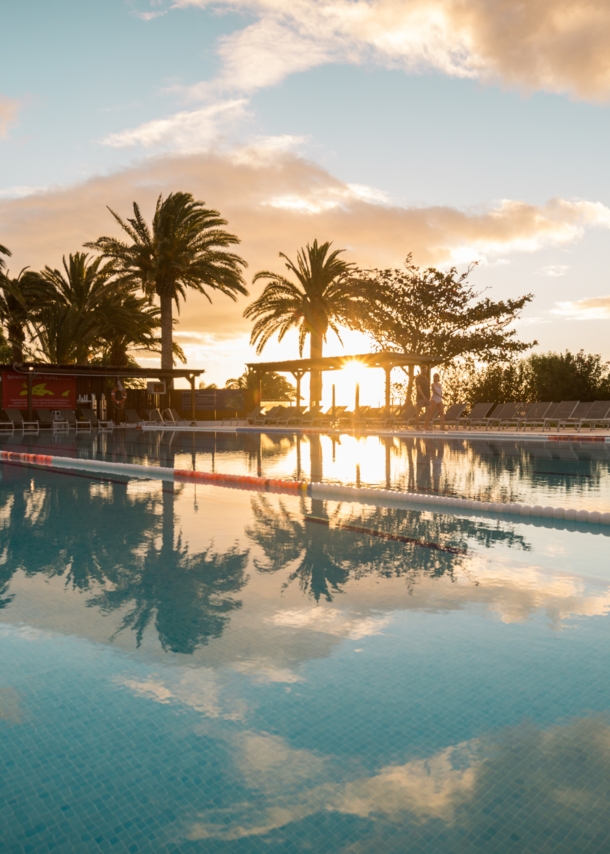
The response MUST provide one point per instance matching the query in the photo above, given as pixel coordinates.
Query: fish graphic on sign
(38, 390)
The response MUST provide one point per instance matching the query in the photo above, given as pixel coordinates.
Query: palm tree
(128, 322)
(75, 304)
(8, 253)
(19, 299)
(184, 248)
(321, 299)
(273, 385)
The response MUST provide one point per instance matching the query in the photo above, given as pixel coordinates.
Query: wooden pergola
(29, 369)
(385, 360)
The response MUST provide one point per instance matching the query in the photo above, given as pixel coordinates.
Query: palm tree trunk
(315, 377)
(16, 339)
(167, 357)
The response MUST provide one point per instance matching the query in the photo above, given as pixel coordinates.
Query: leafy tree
(322, 298)
(542, 376)
(567, 376)
(184, 248)
(274, 385)
(436, 314)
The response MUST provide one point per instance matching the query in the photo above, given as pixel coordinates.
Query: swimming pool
(187, 668)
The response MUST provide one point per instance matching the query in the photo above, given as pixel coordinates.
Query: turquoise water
(188, 668)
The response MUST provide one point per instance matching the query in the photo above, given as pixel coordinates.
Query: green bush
(545, 376)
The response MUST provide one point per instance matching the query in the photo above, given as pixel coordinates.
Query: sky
(455, 130)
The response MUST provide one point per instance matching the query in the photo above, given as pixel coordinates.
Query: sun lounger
(308, 417)
(154, 418)
(597, 416)
(16, 416)
(389, 419)
(519, 416)
(509, 415)
(47, 422)
(537, 414)
(374, 417)
(132, 417)
(454, 413)
(79, 424)
(170, 416)
(405, 415)
(577, 416)
(252, 416)
(296, 416)
(480, 411)
(96, 423)
(270, 418)
(496, 415)
(337, 415)
(6, 425)
(282, 416)
(359, 417)
(562, 413)
(45, 418)
(329, 419)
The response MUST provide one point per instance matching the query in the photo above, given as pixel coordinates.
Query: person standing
(436, 403)
(422, 392)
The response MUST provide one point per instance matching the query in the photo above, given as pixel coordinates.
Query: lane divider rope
(363, 495)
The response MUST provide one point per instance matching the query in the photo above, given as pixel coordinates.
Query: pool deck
(496, 435)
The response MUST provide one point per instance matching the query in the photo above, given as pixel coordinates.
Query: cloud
(555, 270)
(275, 200)
(550, 45)
(593, 308)
(330, 621)
(428, 788)
(185, 131)
(9, 107)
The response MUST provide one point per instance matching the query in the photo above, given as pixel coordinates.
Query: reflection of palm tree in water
(72, 526)
(286, 538)
(103, 540)
(188, 596)
(330, 550)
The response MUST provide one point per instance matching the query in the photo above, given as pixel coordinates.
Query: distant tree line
(541, 376)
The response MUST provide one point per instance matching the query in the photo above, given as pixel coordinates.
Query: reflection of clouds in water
(535, 789)
(540, 784)
(264, 670)
(198, 688)
(331, 621)
(428, 788)
(560, 596)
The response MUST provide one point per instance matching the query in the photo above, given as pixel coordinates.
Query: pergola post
(192, 382)
(298, 376)
(388, 389)
(30, 395)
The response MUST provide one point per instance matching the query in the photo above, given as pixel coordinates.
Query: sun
(354, 373)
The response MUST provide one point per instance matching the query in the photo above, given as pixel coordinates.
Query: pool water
(575, 474)
(187, 668)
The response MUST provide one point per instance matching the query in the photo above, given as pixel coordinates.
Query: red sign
(48, 392)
